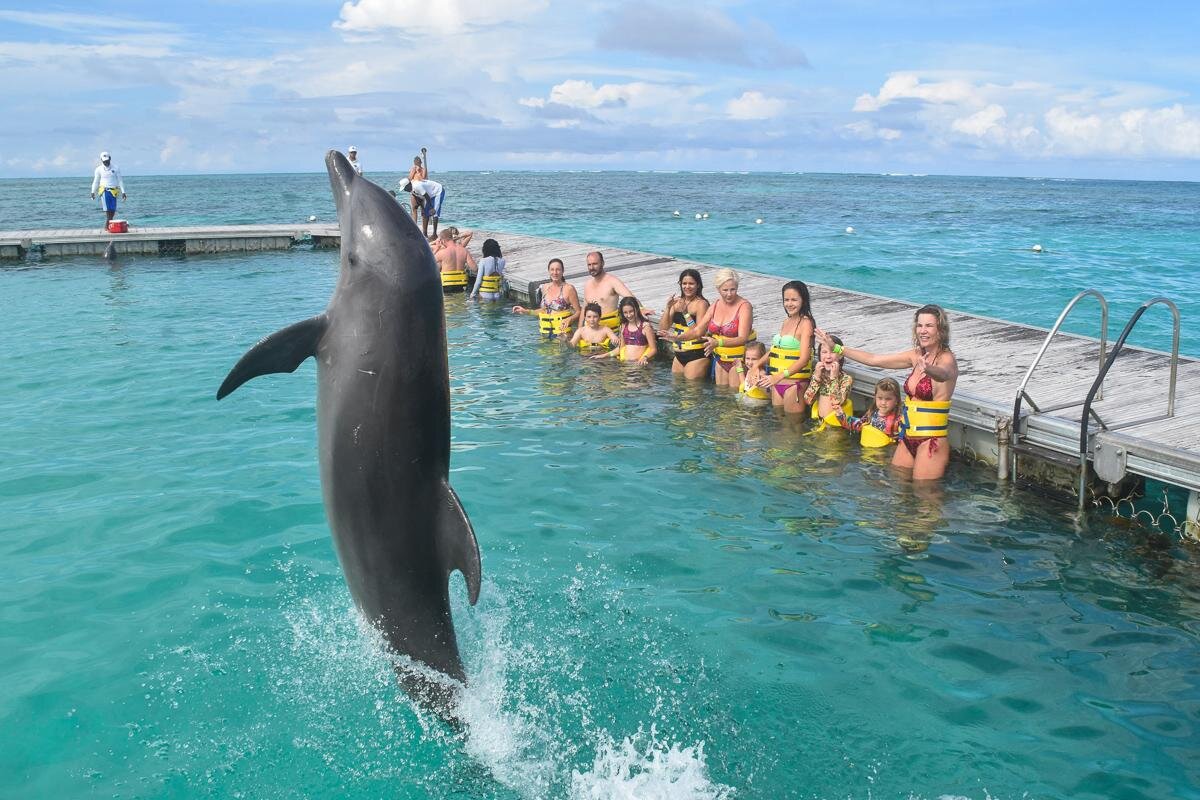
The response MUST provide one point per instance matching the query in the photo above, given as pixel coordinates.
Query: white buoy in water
(1037, 248)
(698, 215)
(312, 218)
(675, 214)
(758, 221)
(706, 215)
(849, 229)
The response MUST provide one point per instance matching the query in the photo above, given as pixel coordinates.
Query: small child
(591, 336)
(829, 387)
(750, 368)
(880, 425)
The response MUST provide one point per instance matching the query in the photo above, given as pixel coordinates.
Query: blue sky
(1066, 89)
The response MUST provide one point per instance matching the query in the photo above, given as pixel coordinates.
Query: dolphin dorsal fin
(282, 351)
(456, 541)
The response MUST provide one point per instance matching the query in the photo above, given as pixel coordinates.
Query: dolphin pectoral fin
(282, 351)
(456, 542)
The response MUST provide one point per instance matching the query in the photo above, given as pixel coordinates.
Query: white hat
(351, 149)
(104, 155)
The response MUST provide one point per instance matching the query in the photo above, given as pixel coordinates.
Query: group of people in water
(800, 371)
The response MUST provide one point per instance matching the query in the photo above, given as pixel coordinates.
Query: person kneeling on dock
(604, 290)
(559, 310)
(928, 390)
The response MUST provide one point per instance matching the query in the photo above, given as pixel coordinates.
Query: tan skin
(688, 301)
(724, 310)
(929, 357)
(602, 288)
(557, 287)
(593, 332)
(635, 354)
(829, 367)
(802, 329)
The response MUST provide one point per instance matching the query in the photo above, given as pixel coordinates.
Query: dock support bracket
(1004, 428)
(1191, 526)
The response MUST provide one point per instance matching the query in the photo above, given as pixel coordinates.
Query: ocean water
(965, 243)
(682, 598)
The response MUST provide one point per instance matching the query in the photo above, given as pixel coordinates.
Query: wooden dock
(164, 241)
(993, 354)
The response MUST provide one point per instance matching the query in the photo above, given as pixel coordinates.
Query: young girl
(790, 361)
(638, 343)
(755, 384)
(880, 425)
(592, 336)
(489, 281)
(829, 387)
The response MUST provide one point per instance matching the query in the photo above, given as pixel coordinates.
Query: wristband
(720, 341)
(837, 349)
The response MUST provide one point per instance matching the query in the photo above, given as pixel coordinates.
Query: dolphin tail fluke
(282, 351)
(456, 542)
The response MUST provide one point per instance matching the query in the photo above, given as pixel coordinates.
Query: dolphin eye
(352, 260)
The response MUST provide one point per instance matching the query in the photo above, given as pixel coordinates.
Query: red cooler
(118, 226)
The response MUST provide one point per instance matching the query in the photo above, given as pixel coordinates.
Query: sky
(1094, 89)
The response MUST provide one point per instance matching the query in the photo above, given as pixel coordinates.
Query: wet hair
(805, 303)
(593, 307)
(887, 386)
(637, 308)
(694, 274)
(757, 347)
(943, 324)
(597, 254)
(840, 356)
(491, 248)
(558, 261)
(724, 276)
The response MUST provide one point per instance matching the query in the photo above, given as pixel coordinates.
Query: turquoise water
(682, 598)
(959, 241)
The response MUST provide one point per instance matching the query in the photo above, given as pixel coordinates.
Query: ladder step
(1046, 454)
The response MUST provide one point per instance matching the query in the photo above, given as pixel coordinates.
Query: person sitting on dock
(604, 290)
(593, 336)
(680, 315)
(559, 310)
(928, 391)
(352, 156)
(107, 180)
(489, 280)
(726, 328)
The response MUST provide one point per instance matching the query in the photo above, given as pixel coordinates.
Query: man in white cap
(107, 180)
(430, 194)
(352, 153)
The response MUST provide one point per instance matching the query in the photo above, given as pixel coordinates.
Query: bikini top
(559, 304)
(786, 342)
(729, 328)
(923, 390)
(636, 337)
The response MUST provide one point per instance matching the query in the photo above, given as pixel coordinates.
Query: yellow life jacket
(779, 359)
(585, 346)
(831, 419)
(926, 418)
(754, 392)
(611, 320)
(454, 281)
(491, 283)
(733, 353)
(552, 323)
(689, 344)
(873, 437)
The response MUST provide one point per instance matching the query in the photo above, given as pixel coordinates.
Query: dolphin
(383, 429)
(110, 252)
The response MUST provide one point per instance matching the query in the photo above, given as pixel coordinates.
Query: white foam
(645, 767)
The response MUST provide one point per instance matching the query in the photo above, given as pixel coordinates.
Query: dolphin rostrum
(383, 425)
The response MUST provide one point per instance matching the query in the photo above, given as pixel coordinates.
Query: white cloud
(754, 105)
(865, 130)
(908, 86)
(981, 122)
(532, 102)
(439, 16)
(1139, 132)
(635, 95)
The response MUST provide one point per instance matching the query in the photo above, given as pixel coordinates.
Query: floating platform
(164, 241)
(1143, 424)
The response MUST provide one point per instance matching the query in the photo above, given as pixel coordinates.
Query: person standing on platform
(431, 195)
(352, 154)
(107, 180)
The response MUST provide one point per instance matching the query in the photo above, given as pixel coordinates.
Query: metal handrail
(1022, 395)
(1112, 357)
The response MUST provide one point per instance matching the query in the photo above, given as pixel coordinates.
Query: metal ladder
(1094, 393)
(1022, 396)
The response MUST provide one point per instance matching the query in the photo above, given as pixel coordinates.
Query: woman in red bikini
(927, 389)
(726, 328)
